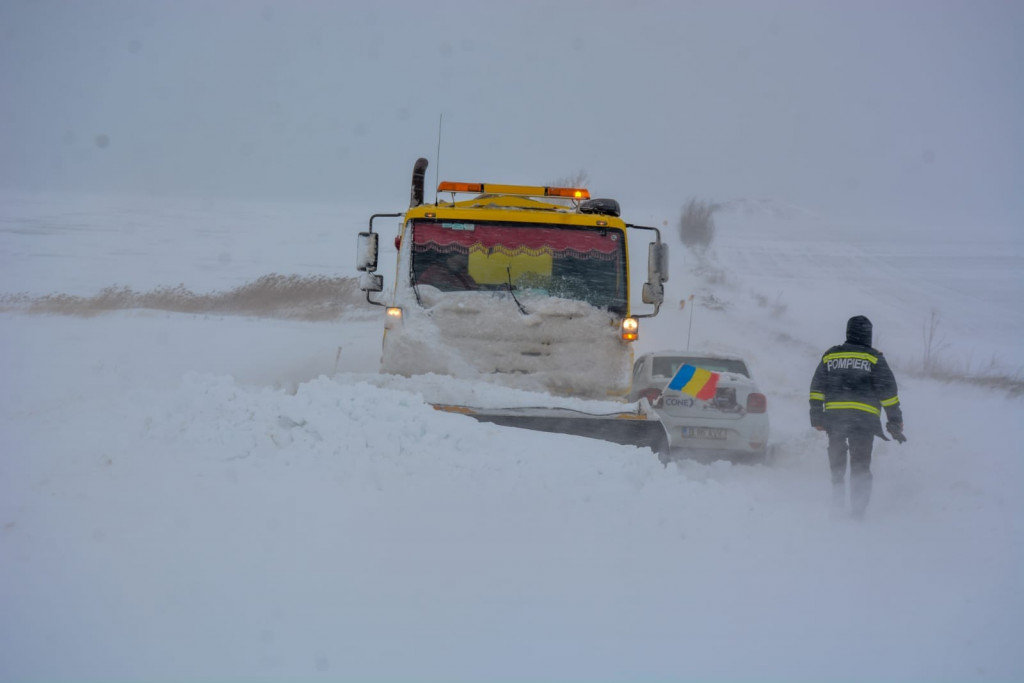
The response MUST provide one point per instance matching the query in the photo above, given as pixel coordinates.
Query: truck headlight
(630, 329)
(393, 317)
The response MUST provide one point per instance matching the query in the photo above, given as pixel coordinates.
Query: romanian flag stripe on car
(695, 381)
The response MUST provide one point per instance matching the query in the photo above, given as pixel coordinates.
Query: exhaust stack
(419, 172)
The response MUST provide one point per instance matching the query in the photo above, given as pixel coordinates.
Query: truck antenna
(437, 167)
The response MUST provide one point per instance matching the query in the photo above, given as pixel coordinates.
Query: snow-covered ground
(205, 496)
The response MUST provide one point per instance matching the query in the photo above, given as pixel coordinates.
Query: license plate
(704, 433)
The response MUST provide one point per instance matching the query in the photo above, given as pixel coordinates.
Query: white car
(733, 422)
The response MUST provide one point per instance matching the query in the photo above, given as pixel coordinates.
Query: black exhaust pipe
(419, 172)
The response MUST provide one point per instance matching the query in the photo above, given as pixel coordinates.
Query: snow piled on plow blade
(561, 346)
(640, 429)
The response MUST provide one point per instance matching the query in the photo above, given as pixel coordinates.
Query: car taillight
(757, 403)
(652, 395)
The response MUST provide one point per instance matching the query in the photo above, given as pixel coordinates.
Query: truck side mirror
(371, 282)
(653, 293)
(366, 252)
(657, 273)
(657, 262)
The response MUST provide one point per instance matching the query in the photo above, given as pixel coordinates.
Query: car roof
(692, 354)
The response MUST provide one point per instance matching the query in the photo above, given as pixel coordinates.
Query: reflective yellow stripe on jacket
(851, 354)
(817, 396)
(894, 401)
(852, 405)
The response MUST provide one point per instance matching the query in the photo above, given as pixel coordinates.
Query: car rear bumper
(746, 435)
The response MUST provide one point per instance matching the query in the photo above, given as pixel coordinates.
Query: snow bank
(209, 497)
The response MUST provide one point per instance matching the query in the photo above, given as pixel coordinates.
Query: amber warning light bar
(577, 193)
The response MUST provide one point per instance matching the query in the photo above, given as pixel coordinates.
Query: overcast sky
(896, 109)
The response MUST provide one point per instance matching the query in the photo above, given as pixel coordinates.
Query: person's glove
(896, 431)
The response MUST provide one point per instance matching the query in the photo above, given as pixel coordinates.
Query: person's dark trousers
(860, 443)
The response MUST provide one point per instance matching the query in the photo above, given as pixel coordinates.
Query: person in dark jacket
(851, 386)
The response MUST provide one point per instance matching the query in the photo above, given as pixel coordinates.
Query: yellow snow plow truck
(526, 287)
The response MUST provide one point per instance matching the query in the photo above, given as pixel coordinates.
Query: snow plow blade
(627, 428)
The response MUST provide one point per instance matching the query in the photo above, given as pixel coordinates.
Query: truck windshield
(570, 262)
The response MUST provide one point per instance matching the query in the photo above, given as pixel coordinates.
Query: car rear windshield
(666, 366)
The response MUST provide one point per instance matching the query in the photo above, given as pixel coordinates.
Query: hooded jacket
(853, 383)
